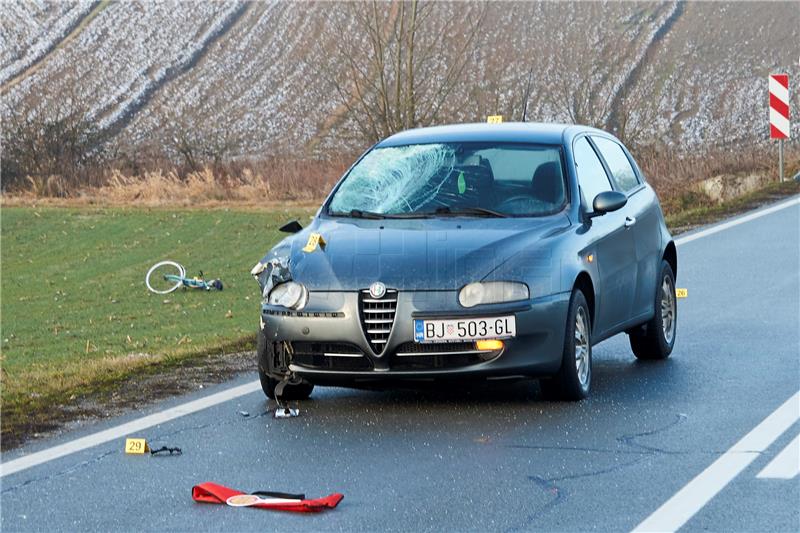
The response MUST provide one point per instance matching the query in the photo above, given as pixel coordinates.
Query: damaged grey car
(483, 251)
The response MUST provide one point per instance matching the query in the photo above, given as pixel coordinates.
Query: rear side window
(591, 174)
(617, 162)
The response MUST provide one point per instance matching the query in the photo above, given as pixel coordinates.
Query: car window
(437, 179)
(617, 162)
(591, 174)
(518, 166)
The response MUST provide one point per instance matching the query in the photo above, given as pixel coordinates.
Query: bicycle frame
(192, 283)
(179, 279)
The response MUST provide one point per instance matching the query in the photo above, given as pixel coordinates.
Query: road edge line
(736, 221)
(785, 465)
(119, 431)
(690, 499)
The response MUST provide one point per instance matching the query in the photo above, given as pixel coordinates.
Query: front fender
(549, 268)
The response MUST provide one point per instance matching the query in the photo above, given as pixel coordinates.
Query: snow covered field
(256, 77)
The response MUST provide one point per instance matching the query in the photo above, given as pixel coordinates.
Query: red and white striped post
(779, 112)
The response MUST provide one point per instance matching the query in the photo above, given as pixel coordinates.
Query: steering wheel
(517, 204)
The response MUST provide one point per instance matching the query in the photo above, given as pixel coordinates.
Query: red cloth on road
(213, 493)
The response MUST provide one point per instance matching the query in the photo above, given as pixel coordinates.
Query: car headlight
(290, 294)
(492, 292)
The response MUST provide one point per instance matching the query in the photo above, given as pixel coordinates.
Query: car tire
(264, 351)
(656, 338)
(574, 379)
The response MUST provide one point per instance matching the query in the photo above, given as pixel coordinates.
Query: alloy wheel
(582, 346)
(668, 309)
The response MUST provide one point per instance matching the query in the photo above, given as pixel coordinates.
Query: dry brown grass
(305, 182)
(676, 175)
(202, 187)
(265, 181)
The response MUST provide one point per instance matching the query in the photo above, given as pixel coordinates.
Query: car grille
(415, 348)
(329, 356)
(377, 317)
(439, 356)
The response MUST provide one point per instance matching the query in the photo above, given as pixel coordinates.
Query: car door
(611, 243)
(641, 215)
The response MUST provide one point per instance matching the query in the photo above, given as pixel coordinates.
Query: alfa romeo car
(482, 251)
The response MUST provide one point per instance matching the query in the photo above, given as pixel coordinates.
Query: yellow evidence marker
(136, 446)
(494, 119)
(314, 240)
(681, 293)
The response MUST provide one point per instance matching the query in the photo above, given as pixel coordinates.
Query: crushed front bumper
(329, 341)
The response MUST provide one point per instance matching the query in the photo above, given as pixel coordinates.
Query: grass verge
(692, 215)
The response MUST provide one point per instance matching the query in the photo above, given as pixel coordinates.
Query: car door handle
(630, 221)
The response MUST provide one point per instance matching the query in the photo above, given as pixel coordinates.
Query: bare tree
(634, 119)
(59, 141)
(197, 138)
(582, 95)
(397, 65)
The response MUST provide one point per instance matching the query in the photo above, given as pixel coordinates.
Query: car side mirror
(291, 227)
(608, 201)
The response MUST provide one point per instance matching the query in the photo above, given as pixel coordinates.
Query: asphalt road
(499, 459)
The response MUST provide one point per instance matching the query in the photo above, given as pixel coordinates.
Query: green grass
(76, 315)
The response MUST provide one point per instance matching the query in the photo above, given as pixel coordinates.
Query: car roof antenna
(526, 96)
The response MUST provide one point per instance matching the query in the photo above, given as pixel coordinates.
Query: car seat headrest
(548, 183)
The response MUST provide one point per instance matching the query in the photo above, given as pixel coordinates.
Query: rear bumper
(327, 343)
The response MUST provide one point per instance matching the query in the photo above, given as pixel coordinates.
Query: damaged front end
(277, 288)
(270, 271)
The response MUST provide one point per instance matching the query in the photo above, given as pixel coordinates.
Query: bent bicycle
(166, 276)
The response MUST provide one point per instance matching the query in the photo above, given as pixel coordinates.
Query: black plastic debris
(166, 449)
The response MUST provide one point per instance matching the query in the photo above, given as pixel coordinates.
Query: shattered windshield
(472, 179)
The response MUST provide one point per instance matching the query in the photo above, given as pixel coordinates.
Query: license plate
(465, 329)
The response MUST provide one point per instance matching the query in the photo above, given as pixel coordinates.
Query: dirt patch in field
(728, 187)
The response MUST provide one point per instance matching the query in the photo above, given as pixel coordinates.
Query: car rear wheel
(574, 378)
(270, 379)
(655, 339)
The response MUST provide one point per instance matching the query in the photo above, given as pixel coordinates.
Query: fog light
(489, 344)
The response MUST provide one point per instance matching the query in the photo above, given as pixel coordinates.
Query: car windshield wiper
(360, 213)
(480, 211)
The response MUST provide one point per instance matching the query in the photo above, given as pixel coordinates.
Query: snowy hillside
(258, 77)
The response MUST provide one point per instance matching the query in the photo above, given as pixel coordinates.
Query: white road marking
(786, 464)
(37, 458)
(122, 430)
(699, 491)
(735, 222)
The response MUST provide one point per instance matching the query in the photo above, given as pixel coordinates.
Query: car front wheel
(655, 339)
(574, 378)
(269, 379)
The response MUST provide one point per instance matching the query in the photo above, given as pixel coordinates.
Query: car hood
(410, 254)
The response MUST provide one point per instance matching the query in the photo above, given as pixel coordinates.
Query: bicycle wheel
(165, 277)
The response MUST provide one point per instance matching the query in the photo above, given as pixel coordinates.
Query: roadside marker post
(779, 126)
